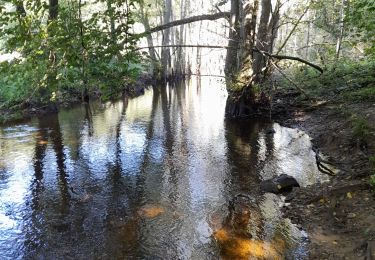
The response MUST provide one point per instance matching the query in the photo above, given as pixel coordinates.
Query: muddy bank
(339, 215)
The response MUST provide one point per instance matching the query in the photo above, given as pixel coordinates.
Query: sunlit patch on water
(234, 246)
(42, 142)
(151, 211)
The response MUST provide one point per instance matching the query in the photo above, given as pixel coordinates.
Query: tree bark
(150, 42)
(180, 57)
(342, 26)
(165, 53)
(262, 41)
(231, 61)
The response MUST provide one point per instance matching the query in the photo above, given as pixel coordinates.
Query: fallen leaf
(349, 195)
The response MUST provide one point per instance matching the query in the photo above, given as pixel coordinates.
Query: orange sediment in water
(151, 211)
(42, 142)
(233, 246)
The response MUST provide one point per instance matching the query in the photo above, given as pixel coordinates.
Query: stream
(151, 177)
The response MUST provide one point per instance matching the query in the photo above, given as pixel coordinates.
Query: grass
(372, 174)
(344, 80)
(361, 128)
(364, 94)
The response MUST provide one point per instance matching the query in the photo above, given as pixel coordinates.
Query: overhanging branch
(279, 57)
(187, 46)
(204, 17)
(285, 57)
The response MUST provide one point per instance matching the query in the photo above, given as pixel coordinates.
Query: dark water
(148, 178)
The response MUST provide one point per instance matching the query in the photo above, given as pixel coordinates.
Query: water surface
(148, 178)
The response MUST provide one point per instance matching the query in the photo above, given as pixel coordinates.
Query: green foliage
(361, 15)
(73, 54)
(372, 176)
(361, 129)
(372, 181)
(18, 78)
(346, 79)
(364, 94)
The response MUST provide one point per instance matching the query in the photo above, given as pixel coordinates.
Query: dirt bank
(339, 215)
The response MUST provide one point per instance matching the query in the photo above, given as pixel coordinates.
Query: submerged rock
(279, 184)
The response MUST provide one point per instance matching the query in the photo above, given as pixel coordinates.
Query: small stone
(352, 215)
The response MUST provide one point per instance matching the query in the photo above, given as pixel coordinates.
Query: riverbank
(27, 110)
(339, 216)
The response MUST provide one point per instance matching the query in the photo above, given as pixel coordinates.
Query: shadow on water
(161, 176)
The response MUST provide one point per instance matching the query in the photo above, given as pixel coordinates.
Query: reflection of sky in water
(292, 155)
(170, 149)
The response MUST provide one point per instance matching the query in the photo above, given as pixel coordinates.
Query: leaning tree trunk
(150, 42)
(245, 98)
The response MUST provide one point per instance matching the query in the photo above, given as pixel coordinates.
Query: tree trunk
(262, 41)
(244, 99)
(150, 42)
(231, 61)
(53, 10)
(165, 53)
(342, 26)
(180, 57)
(112, 25)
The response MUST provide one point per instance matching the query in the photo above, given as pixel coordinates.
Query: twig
(291, 81)
(322, 168)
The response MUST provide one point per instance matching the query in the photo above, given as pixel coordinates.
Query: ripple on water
(153, 177)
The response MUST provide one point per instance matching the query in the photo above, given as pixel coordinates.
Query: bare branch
(279, 57)
(285, 57)
(187, 46)
(204, 17)
(293, 29)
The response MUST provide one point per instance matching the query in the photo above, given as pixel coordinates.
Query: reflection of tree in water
(88, 119)
(241, 233)
(40, 204)
(243, 148)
